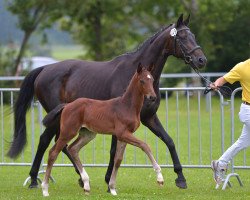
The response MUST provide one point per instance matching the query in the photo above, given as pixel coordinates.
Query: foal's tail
(21, 107)
(52, 115)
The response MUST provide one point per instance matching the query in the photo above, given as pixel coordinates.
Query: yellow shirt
(241, 73)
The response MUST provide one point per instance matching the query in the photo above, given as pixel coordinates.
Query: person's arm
(219, 82)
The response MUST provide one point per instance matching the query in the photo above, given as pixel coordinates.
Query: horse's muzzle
(151, 98)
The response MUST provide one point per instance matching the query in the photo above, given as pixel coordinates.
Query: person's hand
(213, 86)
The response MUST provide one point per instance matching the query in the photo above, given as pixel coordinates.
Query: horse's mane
(147, 41)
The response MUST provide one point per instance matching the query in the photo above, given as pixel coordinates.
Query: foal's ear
(186, 21)
(139, 68)
(179, 21)
(151, 67)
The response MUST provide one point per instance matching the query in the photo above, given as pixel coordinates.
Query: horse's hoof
(80, 182)
(33, 185)
(108, 191)
(181, 183)
(160, 183)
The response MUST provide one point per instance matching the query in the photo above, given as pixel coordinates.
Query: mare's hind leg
(84, 138)
(156, 127)
(131, 139)
(53, 153)
(44, 142)
(117, 162)
(111, 159)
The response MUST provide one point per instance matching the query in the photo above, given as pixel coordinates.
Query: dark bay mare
(119, 116)
(68, 80)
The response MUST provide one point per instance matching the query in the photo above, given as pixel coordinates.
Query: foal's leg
(83, 139)
(53, 153)
(131, 139)
(44, 142)
(156, 127)
(118, 159)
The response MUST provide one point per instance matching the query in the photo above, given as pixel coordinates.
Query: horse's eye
(142, 81)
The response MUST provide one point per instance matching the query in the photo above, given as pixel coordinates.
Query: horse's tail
(20, 109)
(52, 115)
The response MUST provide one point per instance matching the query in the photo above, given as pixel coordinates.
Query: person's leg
(244, 139)
(220, 166)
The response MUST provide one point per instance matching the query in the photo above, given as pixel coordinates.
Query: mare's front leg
(156, 127)
(131, 139)
(117, 162)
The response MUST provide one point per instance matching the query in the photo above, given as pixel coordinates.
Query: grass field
(131, 184)
(139, 183)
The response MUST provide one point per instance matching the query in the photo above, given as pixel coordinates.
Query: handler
(241, 73)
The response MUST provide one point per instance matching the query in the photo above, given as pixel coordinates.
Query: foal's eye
(142, 81)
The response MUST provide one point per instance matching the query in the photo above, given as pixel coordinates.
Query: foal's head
(145, 81)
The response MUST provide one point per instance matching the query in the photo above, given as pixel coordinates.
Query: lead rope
(224, 90)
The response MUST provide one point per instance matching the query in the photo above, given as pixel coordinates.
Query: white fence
(202, 127)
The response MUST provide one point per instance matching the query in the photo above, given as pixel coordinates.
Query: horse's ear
(179, 21)
(186, 21)
(150, 67)
(139, 68)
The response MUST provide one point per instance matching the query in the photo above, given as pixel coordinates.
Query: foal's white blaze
(148, 76)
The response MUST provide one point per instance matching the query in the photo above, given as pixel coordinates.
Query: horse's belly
(99, 128)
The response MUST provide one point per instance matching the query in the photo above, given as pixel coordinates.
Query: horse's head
(145, 81)
(185, 46)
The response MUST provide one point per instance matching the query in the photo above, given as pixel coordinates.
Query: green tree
(32, 14)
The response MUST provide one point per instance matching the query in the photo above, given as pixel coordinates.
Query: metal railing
(201, 126)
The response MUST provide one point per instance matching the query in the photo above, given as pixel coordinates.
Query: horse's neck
(155, 52)
(133, 97)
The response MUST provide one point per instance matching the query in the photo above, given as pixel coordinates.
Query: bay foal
(119, 116)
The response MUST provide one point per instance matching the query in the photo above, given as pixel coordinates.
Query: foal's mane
(135, 76)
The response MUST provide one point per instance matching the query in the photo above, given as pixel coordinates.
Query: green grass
(138, 183)
(132, 183)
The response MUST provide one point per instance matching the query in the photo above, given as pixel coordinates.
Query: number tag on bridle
(173, 32)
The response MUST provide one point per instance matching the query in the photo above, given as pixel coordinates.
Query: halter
(186, 54)
(225, 91)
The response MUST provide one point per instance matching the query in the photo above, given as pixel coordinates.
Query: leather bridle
(184, 50)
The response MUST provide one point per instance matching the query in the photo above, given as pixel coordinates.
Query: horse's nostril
(152, 98)
(202, 61)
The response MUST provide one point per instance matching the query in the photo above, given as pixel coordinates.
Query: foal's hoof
(33, 185)
(108, 191)
(160, 183)
(86, 192)
(113, 192)
(80, 182)
(181, 183)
